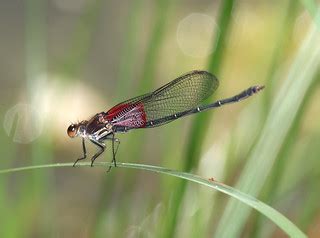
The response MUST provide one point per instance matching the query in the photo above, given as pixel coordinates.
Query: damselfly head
(73, 130)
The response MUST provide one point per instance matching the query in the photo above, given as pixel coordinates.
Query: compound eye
(72, 130)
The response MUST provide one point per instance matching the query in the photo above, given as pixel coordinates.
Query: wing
(181, 94)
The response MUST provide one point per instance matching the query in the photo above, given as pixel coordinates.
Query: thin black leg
(84, 153)
(101, 146)
(116, 140)
(114, 151)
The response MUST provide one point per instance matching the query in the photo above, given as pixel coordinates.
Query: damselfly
(181, 97)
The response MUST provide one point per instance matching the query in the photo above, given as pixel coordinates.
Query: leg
(116, 140)
(114, 151)
(84, 153)
(101, 146)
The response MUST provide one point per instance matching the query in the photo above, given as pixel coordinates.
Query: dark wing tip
(199, 71)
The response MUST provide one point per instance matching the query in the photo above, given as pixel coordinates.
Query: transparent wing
(181, 94)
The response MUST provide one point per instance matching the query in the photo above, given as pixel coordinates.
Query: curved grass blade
(286, 225)
(198, 132)
(283, 112)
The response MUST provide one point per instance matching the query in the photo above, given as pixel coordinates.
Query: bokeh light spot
(195, 35)
(23, 123)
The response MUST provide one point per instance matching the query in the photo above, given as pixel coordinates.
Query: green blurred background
(65, 60)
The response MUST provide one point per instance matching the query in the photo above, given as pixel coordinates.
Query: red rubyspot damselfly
(181, 97)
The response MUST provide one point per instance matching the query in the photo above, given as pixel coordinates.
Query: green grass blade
(82, 39)
(284, 36)
(197, 133)
(286, 225)
(282, 115)
(34, 189)
(129, 48)
(155, 43)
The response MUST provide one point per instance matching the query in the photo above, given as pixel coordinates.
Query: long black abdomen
(241, 96)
